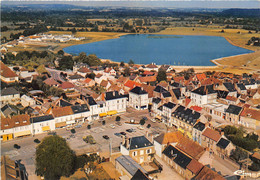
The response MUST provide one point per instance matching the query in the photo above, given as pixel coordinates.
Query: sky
(149, 3)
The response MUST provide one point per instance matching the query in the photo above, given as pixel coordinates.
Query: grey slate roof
(130, 165)
(113, 95)
(9, 91)
(139, 142)
(90, 100)
(169, 105)
(199, 126)
(139, 175)
(41, 118)
(138, 90)
(8, 110)
(186, 115)
(79, 108)
(203, 90)
(179, 158)
(233, 109)
(177, 93)
(156, 100)
(222, 94)
(160, 89)
(230, 87)
(223, 143)
(241, 86)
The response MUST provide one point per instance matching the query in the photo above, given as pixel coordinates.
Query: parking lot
(28, 148)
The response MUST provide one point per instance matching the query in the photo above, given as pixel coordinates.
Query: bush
(103, 122)
(238, 154)
(254, 167)
(148, 126)
(73, 131)
(89, 127)
(142, 121)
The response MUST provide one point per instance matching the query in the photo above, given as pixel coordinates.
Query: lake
(161, 49)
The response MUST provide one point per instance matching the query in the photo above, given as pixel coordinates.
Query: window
(134, 153)
(141, 152)
(148, 151)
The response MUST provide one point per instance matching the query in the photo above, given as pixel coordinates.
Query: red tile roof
(15, 121)
(231, 98)
(147, 79)
(196, 108)
(87, 80)
(50, 82)
(169, 137)
(131, 84)
(200, 76)
(187, 101)
(148, 73)
(6, 71)
(208, 174)
(251, 113)
(151, 66)
(212, 134)
(84, 70)
(194, 166)
(62, 111)
(66, 85)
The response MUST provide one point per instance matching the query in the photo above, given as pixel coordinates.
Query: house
(128, 168)
(216, 110)
(208, 174)
(41, 124)
(7, 75)
(66, 86)
(106, 84)
(197, 131)
(250, 118)
(193, 169)
(204, 95)
(75, 78)
(81, 113)
(63, 116)
(233, 114)
(8, 111)
(99, 77)
(177, 96)
(176, 159)
(224, 148)
(83, 71)
(27, 101)
(151, 67)
(131, 84)
(162, 93)
(10, 95)
(17, 126)
(184, 119)
(228, 86)
(51, 82)
(109, 71)
(115, 102)
(241, 89)
(139, 148)
(156, 103)
(93, 106)
(138, 98)
(88, 82)
(12, 169)
(161, 141)
(167, 109)
(210, 139)
(146, 79)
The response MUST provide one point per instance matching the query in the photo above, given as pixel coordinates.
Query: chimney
(114, 93)
(146, 134)
(222, 133)
(123, 140)
(127, 143)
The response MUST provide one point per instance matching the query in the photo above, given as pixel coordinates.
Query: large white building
(204, 95)
(138, 98)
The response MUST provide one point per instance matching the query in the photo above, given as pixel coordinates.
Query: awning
(5, 137)
(22, 133)
(10, 136)
(111, 112)
(102, 114)
(46, 128)
(60, 124)
(70, 122)
(189, 135)
(181, 130)
(158, 117)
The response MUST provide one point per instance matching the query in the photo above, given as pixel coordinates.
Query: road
(55, 74)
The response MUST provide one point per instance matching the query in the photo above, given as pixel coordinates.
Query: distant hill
(241, 12)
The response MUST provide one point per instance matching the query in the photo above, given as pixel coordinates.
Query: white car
(153, 120)
(140, 127)
(90, 122)
(112, 126)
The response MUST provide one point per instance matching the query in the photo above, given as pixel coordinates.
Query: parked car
(16, 146)
(140, 127)
(117, 134)
(153, 120)
(123, 133)
(89, 139)
(131, 130)
(105, 137)
(37, 141)
(112, 126)
(144, 117)
(119, 123)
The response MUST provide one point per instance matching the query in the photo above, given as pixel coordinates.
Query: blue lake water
(161, 49)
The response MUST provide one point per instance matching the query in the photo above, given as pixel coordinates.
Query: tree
(61, 52)
(66, 62)
(54, 158)
(142, 121)
(148, 126)
(127, 71)
(122, 64)
(91, 75)
(161, 75)
(41, 69)
(73, 31)
(131, 62)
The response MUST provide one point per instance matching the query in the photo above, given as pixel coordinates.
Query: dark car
(16, 146)
(123, 133)
(144, 117)
(105, 137)
(129, 130)
(117, 134)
